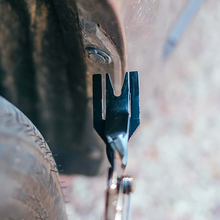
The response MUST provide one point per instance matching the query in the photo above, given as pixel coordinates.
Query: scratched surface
(175, 155)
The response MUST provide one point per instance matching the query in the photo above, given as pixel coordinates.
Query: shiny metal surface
(118, 197)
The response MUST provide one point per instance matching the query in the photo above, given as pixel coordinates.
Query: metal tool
(121, 121)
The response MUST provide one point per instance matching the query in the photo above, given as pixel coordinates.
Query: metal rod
(180, 26)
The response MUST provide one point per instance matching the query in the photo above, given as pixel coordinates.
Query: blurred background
(175, 155)
(46, 71)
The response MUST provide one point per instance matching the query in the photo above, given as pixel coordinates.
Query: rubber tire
(29, 182)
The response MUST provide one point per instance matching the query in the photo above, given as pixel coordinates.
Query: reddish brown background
(175, 155)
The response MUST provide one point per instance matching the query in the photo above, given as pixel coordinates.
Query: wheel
(29, 183)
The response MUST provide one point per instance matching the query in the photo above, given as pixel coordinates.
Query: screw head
(98, 55)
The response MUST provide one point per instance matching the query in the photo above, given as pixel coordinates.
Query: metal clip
(121, 121)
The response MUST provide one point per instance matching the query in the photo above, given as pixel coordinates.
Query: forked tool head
(122, 113)
(121, 121)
